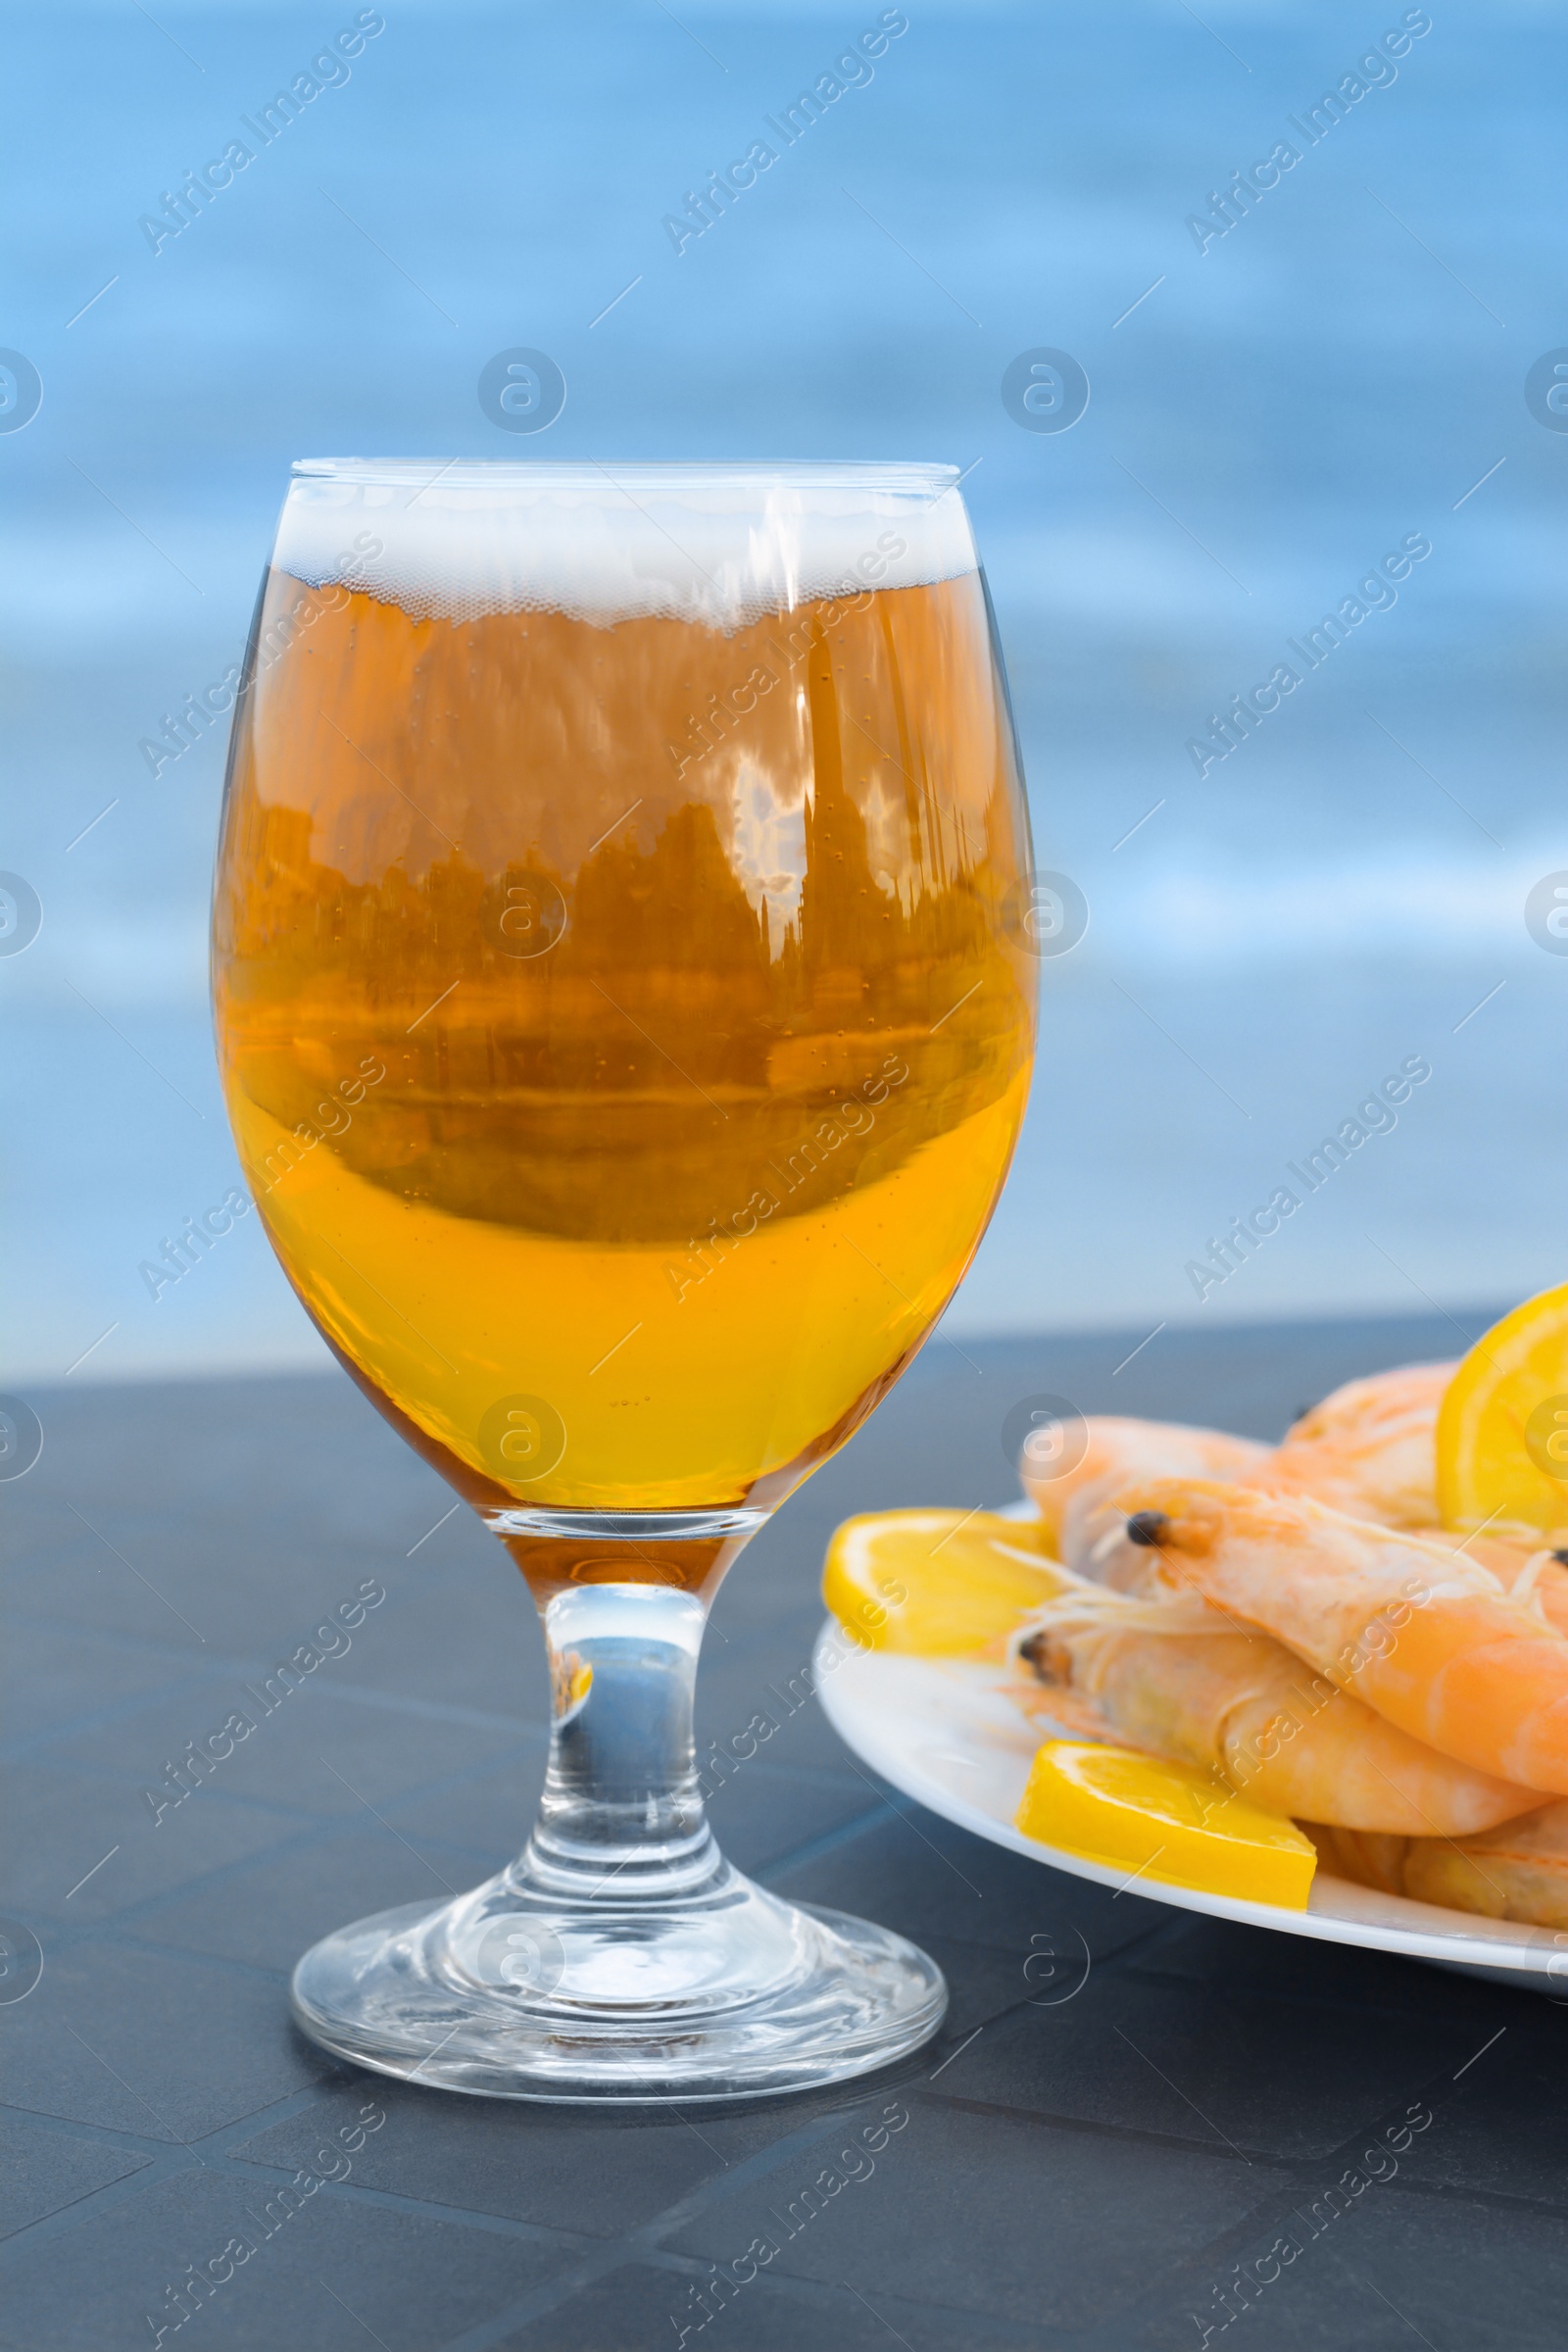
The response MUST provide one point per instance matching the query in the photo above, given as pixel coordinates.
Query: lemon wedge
(1166, 1822)
(935, 1583)
(1503, 1425)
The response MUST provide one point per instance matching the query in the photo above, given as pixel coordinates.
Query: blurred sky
(1282, 408)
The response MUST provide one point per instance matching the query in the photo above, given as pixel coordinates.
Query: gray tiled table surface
(1080, 2171)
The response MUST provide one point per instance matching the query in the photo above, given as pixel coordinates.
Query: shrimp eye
(1561, 1556)
(1148, 1527)
(1050, 1662)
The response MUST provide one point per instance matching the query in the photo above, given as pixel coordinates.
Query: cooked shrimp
(1360, 1855)
(1517, 1872)
(1368, 1448)
(1418, 1632)
(1244, 1706)
(1072, 1502)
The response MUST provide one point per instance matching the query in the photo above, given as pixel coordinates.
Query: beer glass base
(732, 1994)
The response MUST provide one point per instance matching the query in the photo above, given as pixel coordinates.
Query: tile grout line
(164, 2160)
(644, 2241)
(1306, 2174)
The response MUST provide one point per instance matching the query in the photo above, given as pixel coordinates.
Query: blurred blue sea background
(1341, 369)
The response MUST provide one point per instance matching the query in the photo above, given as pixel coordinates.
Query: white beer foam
(720, 546)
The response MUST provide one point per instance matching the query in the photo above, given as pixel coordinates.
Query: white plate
(944, 1731)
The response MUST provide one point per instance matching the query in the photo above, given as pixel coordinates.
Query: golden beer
(619, 1018)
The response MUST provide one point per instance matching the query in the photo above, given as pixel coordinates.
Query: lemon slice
(1166, 1822)
(935, 1583)
(1503, 1425)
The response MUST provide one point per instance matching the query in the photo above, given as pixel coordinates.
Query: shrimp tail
(1518, 1871)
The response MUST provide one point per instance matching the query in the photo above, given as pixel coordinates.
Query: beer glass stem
(621, 1817)
(619, 1957)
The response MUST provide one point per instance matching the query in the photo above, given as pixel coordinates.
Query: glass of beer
(625, 1001)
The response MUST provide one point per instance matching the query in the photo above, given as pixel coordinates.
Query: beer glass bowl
(624, 995)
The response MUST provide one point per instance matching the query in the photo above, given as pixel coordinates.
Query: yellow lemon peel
(1165, 1823)
(1503, 1425)
(935, 1583)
